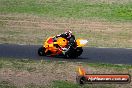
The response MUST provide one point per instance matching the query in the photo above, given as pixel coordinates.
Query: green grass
(23, 64)
(19, 28)
(68, 9)
(28, 64)
(55, 84)
(103, 65)
(6, 84)
(65, 84)
(33, 67)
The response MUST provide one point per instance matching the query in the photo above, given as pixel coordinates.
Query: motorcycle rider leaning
(70, 38)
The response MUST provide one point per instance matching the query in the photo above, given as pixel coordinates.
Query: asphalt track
(98, 55)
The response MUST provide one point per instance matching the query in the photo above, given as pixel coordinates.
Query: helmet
(68, 33)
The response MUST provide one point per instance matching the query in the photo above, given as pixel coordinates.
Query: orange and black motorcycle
(52, 48)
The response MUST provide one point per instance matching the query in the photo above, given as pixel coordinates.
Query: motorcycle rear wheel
(79, 51)
(74, 53)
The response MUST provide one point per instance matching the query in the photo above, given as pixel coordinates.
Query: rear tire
(41, 51)
(79, 51)
(71, 54)
(74, 53)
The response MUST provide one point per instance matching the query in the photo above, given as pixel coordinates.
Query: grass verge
(54, 74)
(65, 84)
(69, 8)
(34, 30)
(33, 21)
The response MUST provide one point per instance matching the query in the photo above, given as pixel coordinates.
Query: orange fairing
(81, 71)
(62, 42)
(48, 42)
(50, 45)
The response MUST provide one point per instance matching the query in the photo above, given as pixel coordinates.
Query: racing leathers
(71, 41)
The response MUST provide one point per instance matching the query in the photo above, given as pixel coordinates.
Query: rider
(70, 38)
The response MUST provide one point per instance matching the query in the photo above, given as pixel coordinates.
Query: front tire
(41, 51)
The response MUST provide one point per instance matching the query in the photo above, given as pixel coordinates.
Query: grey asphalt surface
(97, 55)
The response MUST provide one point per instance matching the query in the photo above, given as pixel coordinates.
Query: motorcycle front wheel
(41, 51)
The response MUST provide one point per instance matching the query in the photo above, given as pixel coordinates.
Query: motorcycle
(52, 47)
